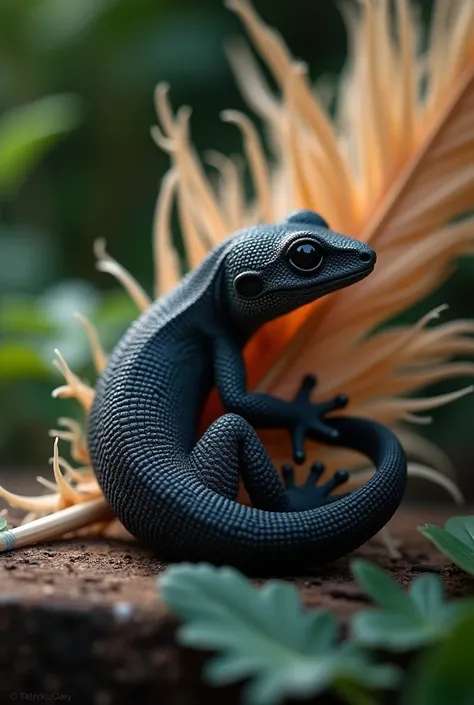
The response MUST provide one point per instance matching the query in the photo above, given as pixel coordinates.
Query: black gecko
(177, 494)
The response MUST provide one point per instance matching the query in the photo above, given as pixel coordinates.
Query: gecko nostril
(248, 285)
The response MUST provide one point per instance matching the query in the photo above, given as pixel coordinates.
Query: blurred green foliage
(88, 68)
(26, 133)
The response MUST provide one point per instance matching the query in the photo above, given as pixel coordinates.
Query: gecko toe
(310, 495)
(288, 474)
(315, 472)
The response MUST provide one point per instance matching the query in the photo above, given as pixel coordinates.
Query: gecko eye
(305, 256)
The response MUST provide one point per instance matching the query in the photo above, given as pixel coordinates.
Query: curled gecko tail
(366, 510)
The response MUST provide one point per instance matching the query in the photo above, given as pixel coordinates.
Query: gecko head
(270, 270)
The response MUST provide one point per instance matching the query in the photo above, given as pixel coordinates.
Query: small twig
(55, 525)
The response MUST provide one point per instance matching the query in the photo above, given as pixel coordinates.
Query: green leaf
(264, 635)
(392, 631)
(452, 547)
(3, 524)
(427, 595)
(445, 674)
(463, 529)
(408, 621)
(380, 587)
(27, 132)
(20, 362)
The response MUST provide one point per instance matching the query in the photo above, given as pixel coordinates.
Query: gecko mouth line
(344, 281)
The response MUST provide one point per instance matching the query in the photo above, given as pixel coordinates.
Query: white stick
(55, 525)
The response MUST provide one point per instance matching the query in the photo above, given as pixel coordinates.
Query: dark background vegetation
(101, 179)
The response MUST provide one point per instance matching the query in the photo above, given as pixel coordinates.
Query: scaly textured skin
(177, 494)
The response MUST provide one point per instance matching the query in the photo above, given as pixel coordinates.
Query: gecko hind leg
(310, 494)
(229, 450)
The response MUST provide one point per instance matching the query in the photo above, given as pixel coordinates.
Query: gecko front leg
(299, 416)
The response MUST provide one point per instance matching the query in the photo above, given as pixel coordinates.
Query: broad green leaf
(391, 630)
(401, 626)
(361, 671)
(303, 678)
(20, 362)
(445, 675)
(27, 132)
(463, 529)
(380, 587)
(427, 594)
(452, 547)
(264, 635)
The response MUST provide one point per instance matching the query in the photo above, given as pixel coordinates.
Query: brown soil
(83, 618)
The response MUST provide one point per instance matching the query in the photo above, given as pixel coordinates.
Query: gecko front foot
(310, 495)
(310, 418)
